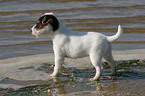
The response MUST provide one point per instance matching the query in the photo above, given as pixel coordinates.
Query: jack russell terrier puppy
(75, 44)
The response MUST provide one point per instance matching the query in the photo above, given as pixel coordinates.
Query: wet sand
(28, 76)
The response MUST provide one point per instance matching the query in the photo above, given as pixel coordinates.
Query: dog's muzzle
(34, 34)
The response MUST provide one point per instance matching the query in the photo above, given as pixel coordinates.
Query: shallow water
(18, 16)
(129, 81)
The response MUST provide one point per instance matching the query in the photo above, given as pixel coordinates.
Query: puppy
(74, 44)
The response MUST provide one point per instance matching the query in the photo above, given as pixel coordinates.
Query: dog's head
(45, 25)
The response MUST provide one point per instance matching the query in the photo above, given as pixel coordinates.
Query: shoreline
(49, 57)
(19, 68)
(17, 75)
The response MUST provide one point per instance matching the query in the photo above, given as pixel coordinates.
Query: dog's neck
(61, 30)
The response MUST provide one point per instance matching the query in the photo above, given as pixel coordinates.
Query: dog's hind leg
(109, 58)
(96, 60)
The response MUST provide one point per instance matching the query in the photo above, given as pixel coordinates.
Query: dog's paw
(52, 75)
(94, 79)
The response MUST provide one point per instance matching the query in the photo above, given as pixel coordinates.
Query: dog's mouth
(35, 34)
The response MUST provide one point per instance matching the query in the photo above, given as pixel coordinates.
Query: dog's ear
(52, 20)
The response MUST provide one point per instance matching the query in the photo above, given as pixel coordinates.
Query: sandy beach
(31, 71)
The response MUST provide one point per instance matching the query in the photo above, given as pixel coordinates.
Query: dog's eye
(39, 26)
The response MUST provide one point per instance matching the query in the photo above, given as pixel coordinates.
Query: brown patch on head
(44, 19)
(38, 21)
(50, 20)
(41, 28)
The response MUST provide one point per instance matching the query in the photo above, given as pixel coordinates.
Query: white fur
(75, 44)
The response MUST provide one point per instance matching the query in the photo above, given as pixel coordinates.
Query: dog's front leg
(59, 60)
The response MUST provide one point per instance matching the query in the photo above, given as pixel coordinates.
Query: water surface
(18, 16)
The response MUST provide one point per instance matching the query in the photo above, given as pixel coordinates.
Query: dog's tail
(116, 36)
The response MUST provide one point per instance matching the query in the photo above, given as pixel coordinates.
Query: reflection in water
(122, 84)
(127, 81)
(85, 86)
(110, 86)
(59, 90)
